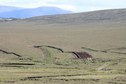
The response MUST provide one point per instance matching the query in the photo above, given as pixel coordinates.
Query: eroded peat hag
(59, 49)
(49, 52)
(121, 50)
(81, 55)
(13, 53)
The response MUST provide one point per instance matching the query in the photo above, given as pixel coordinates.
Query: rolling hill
(102, 16)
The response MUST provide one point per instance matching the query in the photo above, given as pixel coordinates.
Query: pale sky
(73, 5)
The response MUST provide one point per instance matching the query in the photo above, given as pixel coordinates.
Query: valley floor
(53, 63)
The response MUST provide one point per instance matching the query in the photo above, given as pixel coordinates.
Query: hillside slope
(102, 16)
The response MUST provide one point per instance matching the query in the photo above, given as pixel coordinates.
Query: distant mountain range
(16, 12)
(8, 8)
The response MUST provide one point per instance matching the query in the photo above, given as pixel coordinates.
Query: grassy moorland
(23, 63)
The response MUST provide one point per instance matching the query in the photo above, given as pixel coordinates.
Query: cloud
(74, 5)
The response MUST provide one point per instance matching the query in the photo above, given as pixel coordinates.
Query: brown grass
(20, 37)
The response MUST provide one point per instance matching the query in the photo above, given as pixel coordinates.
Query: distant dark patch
(118, 52)
(39, 77)
(9, 81)
(37, 46)
(121, 48)
(90, 49)
(108, 50)
(25, 59)
(94, 50)
(16, 64)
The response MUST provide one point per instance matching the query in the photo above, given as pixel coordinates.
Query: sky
(72, 5)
